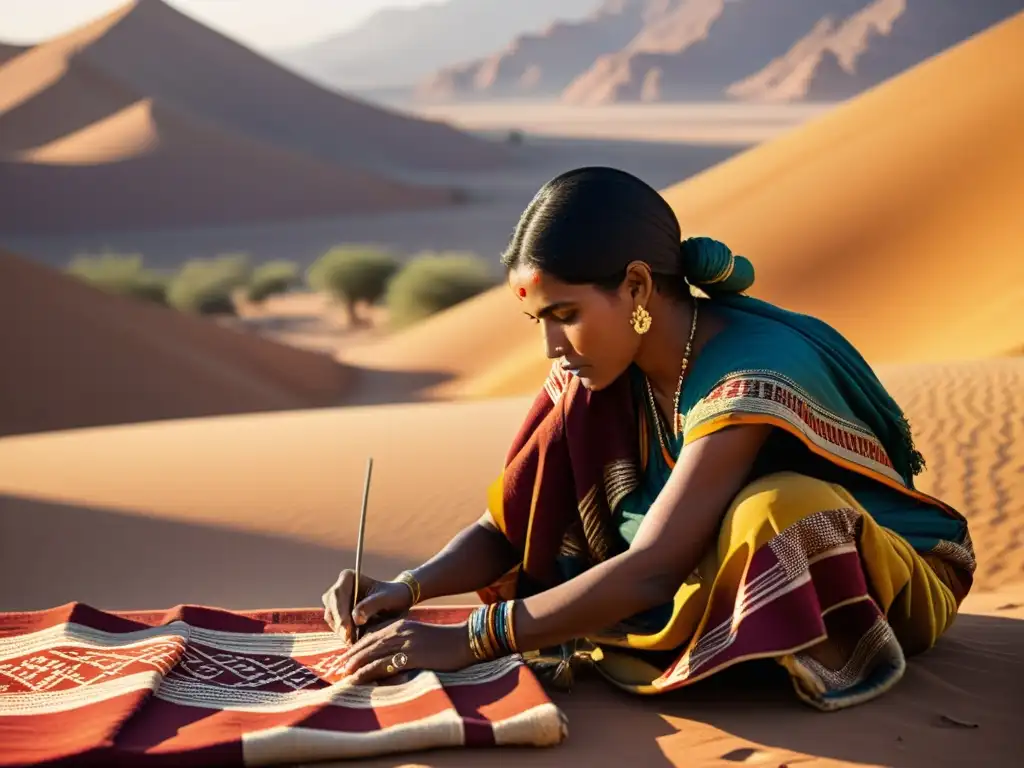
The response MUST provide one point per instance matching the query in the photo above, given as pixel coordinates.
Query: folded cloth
(198, 686)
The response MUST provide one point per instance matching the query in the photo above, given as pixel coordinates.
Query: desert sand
(902, 233)
(75, 357)
(265, 507)
(95, 136)
(813, 212)
(146, 167)
(258, 510)
(215, 78)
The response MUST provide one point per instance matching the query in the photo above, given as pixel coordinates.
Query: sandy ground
(247, 511)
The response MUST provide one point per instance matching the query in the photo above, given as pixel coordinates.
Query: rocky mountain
(841, 57)
(681, 50)
(542, 63)
(398, 47)
(697, 48)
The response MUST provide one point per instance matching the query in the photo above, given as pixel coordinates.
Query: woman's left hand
(406, 645)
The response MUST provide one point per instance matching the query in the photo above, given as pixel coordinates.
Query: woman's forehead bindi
(525, 278)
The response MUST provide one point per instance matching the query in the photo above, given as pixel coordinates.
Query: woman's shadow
(954, 706)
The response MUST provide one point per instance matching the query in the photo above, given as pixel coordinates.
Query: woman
(702, 480)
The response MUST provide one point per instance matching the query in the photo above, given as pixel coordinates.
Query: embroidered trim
(620, 480)
(821, 535)
(961, 555)
(771, 394)
(595, 526)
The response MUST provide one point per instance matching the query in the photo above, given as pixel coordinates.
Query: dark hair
(588, 224)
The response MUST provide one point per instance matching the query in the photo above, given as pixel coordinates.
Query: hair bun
(712, 267)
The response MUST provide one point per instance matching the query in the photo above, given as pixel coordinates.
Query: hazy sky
(264, 24)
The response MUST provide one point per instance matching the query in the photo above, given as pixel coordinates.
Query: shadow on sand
(52, 553)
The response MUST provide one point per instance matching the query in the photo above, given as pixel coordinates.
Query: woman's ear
(639, 282)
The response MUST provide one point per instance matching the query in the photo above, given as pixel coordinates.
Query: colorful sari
(828, 540)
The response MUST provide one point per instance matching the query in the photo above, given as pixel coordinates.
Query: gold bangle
(511, 627)
(406, 577)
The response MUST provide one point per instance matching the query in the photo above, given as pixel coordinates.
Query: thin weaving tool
(359, 545)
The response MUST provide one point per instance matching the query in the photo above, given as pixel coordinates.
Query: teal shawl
(798, 374)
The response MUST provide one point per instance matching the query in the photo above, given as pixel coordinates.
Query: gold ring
(390, 669)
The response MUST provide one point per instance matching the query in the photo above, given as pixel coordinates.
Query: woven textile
(198, 686)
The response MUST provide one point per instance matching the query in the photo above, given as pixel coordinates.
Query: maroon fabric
(559, 456)
(197, 686)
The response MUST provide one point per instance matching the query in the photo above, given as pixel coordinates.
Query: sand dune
(157, 52)
(85, 147)
(131, 132)
(893, 217)
(76, 357)
(476, 336)
(148, 166)
(266, 508)
(48, 92)
(9, 51)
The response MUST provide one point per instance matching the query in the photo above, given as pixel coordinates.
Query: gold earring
(641, 320)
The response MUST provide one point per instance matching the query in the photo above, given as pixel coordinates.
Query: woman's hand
(378, 597)
(405, 645)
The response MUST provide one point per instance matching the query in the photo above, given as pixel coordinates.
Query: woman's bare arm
(475, 558)
(673, 537)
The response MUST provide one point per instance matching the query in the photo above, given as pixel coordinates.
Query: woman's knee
(771, 504)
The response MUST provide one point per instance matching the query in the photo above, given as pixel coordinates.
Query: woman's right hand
(377, 598)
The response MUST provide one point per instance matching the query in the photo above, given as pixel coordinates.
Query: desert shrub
(270, 278)
(353, 274)
(431, 282)
(205, 286)
(123, 274)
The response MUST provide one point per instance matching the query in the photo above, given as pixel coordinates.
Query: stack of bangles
(492, 632)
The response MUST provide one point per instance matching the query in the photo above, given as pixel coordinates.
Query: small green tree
(270, 278)
(205, 286)
(123, 274)
(430, 283)
(353, 274)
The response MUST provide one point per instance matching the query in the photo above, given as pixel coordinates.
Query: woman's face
(586, 328)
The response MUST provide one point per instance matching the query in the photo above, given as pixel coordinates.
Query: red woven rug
(199, 686)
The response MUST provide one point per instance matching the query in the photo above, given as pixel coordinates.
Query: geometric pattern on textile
(204, 686)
